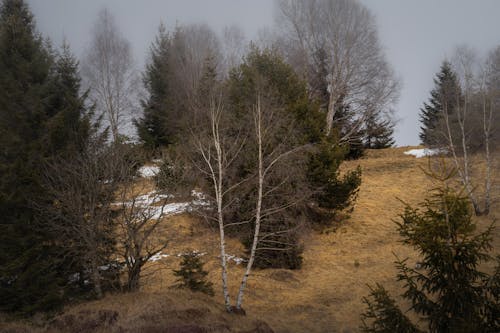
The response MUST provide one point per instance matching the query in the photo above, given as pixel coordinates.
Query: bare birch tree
(490, 89)
(470, 124)
(271, 155)
(220, 149)
(108, 69)
(335, 43)
(217, 154)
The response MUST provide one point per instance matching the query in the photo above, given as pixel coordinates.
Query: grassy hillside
(324, 296)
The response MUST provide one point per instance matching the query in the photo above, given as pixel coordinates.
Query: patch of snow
(237, 260)
(157, 161)
(158, 256)
(196, 253)
(148, 171)
(423, 152)
(151, 199)
(200, 199)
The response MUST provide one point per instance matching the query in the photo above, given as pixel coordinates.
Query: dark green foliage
(173, 176)
(278, 251)
(69, 126)
(42, 118)
(290, 121)
(28, 281)
(155, 128)
(444, 98)
(191, 274)
(384, 315)
(334, 191)
(451, 294)
(378, 133)
(282, 85)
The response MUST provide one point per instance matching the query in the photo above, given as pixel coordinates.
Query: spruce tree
(68, 127)
(444, 98)
(155, 128)
(40, 118)
(27, 279)
(448, 291)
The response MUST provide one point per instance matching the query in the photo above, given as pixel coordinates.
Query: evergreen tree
(378, 133)
(451, 294)
(191, 274)
(39, 119)
(297, 122)
(155, 128)
(27, 280)
(443, 99)
(68, 126)
(332, 191)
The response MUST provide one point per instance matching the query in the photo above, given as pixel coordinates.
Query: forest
(243, 186)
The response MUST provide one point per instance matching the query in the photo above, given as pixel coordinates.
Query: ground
(324, 296)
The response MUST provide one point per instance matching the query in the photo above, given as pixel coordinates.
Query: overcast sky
(417, 34)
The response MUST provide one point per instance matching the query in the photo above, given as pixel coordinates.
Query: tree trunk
(258, 208)
(134, 274)
(330, 113)
(96, 278)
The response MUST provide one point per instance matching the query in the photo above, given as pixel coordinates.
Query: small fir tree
(191, 274)
(451, 294)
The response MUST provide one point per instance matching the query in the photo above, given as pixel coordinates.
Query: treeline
(261, 129)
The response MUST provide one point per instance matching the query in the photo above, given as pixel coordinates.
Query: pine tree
(378, 133)
(155, 128)
(443, 98)
(451, 294)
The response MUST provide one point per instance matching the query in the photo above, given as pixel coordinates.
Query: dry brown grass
(326, 294)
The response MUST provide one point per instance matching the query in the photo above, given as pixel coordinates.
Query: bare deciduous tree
(334, 44)
(140, 217)
(217, 155)
(233, 47)
(270, 156)
(470, 124)
(108, 69)
(271, 142)
(81, 191)
(191, 46)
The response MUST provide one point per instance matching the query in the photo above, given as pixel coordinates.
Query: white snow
(237, 260)
(151, 199)
(158, 256)
(418, 153)
(148, 171)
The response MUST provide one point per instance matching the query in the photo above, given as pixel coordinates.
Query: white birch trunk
(258, 128)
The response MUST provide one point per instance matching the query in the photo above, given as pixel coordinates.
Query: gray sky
(417, 35)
